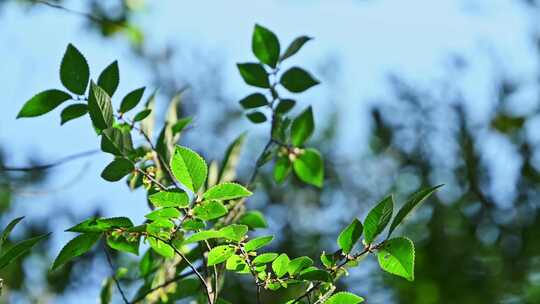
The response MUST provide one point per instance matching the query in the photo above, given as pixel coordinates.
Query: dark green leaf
(131, 100)
(117, 169)
(254, 74)
(110, 78)
(258, 243)
(105, 295)
(396, 256)
(297, 80)
(209, 210)
(101, 225)
(76, 247)
(302, 127)
(7, 231)
(256, 117)
(73, 111)
(74, 71)
(309, 167)
(253, 219)
(265, 46)
(100, 108)
(189, 168)
(43, 102)
(19, 249)
(180, 125)
(315, 274)
(226, 191)
(349, 236)
(378, 218)
(219, 254)
(121, 243)
(254, 100)
(415, 200)
(142, 115)
(295, 46)
(285, 105)
(161, 247)
(116, 141)
(172, 198)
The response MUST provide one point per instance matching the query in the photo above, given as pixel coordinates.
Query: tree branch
(50, 165)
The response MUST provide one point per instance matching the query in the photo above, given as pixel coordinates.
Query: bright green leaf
(298, 264)
(220, 254)
(265, 258)
(166, 213)
(396, 256)
(253, 219)
(349, 236)
(302, 127)
(344, 297)
(309, 167)
(203, 235)
(237, 264)
(258, 243)
(209, 210)
(171, 198)
(74, 71)
(76, 247)
(121, 243)
(189, 168)
(315, 274)
(161, 247)
(226, 191)
(282, 169)
(234, 232)
(378, 218)
(280, 265)
(43, 102)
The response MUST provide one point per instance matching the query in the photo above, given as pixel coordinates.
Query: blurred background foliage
(477, 241)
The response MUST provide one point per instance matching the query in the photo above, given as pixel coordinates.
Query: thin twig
(50, 165)
(109, 260)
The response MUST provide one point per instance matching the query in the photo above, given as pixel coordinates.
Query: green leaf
(309, 167)
(265, 258)
(105, 295)
(254, 74)
(161, 247)
(193, 224)
(74, 71)
(315, 274)
(416, 199)
(297, 80)
(209, 210)
(280, 265)
(172, 198)
(203, 236)
(220, 254)
(302, 127)
(189, 168)
(142, 115)
(344, 297)
(378, 218)
(76, 247)
(226, 191)
(282, 169)
(298, 264)
(258, 243)
(237, 264)
(265, 46)
(73, 111)
(295, 46)
(110, 78)
(254, 101)
(131, 100)
(349, 236)
(116, 141)
(396, 256)
(19, 249)
(121, 243)
(285, 105)
(100, 108)
(101, 225)
(256, 117)
(7, 231)
(165, 213)
(43, 102)
(117, 169)
(253, 219)
(234, 232)
(180, 125)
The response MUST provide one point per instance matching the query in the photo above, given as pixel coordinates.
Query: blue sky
(368, 38)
